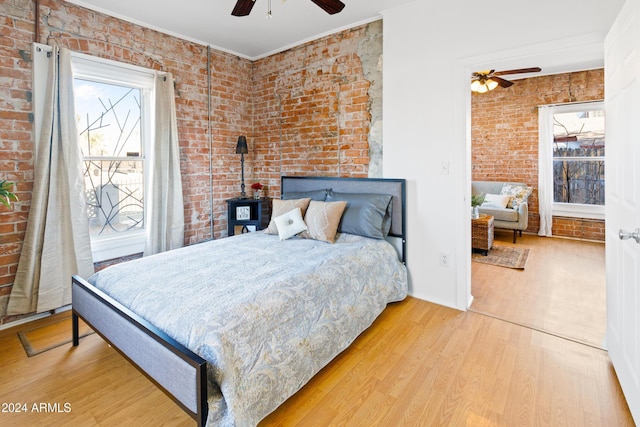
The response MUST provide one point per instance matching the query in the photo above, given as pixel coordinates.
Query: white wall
(430, 49)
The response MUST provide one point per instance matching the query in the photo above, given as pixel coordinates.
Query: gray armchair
(508, 218)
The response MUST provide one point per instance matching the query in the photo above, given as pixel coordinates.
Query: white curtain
(57, 243)
(165, 219)
(545, 168)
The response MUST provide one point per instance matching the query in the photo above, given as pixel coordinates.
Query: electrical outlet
(444, 259)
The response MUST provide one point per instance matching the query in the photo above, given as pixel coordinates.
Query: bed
(233, 327)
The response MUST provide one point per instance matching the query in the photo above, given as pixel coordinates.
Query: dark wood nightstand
(245, 215)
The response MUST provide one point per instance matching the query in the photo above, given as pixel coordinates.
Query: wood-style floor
(562, 289)
(420, 364)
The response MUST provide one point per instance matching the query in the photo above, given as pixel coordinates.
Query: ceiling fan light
(492, 84)
(475, 85)
(483, 88)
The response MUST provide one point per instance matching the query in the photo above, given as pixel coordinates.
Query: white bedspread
(266, 314)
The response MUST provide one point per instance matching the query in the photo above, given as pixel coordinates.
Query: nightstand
(245, 215)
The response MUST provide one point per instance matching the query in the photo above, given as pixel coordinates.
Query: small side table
(482, 234)
(247, 214)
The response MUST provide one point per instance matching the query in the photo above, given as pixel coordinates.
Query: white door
(622, 105)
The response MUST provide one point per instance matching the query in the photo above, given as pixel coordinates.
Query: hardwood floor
(99, 386)
(419, 364)
(561, 291)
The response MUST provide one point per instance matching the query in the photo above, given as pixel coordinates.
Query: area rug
(44, 338)
(504, 256)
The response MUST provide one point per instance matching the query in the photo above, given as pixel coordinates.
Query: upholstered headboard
(393, 187)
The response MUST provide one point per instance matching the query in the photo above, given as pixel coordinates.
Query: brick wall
(590, 229)
(312, 109)
(504, 134)
(16, 148)
(304, 111)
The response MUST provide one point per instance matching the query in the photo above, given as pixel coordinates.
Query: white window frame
(578, 210)
(107, 71)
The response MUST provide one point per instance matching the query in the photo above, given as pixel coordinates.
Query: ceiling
(209, 22)
(293, 22)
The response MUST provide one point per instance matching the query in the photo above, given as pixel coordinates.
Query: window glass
(110, 137)
(578, 156)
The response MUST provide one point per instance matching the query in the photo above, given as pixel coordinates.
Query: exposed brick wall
(231, 116)
(504, 133)
(579, 228)
(16, 149)
(312, 111)
(304, 111)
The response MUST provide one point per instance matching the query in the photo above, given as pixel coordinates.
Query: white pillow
(496, 201)
(290, 223)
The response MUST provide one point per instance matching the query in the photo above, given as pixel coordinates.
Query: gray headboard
(392, 186)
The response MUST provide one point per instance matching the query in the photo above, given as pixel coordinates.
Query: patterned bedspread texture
(266, 314)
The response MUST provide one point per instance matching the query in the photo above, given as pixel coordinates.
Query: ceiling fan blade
(330, 6)
(243, 7)
(519, 71)
(501, 82)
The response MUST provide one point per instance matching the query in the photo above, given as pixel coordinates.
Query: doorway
(562, 290)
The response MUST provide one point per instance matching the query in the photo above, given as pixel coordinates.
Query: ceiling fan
(243, 7)
(484, 81)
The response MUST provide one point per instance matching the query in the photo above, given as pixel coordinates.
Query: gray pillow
(367, 215)
(317, 195)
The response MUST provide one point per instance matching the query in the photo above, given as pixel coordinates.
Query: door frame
(570, 54)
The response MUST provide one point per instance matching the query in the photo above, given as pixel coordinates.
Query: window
(113, 118)
(578, 160)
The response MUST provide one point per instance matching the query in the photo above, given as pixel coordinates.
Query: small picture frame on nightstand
(243, 213)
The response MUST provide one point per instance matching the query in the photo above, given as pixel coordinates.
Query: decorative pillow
(290, 224)
(322, 220)
(279, 207)
(496, 201)
(317, 195)
(367, 215)
(518, 193)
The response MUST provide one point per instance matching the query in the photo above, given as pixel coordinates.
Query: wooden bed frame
(178, 371)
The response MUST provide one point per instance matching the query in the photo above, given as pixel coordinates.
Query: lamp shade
(241, 148)
(483, 85)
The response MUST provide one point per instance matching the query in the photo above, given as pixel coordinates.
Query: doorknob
(635, 234)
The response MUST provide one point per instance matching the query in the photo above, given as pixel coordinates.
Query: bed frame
(394, 187)
(178, 371)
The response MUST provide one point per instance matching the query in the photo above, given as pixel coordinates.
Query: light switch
(444, 168)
